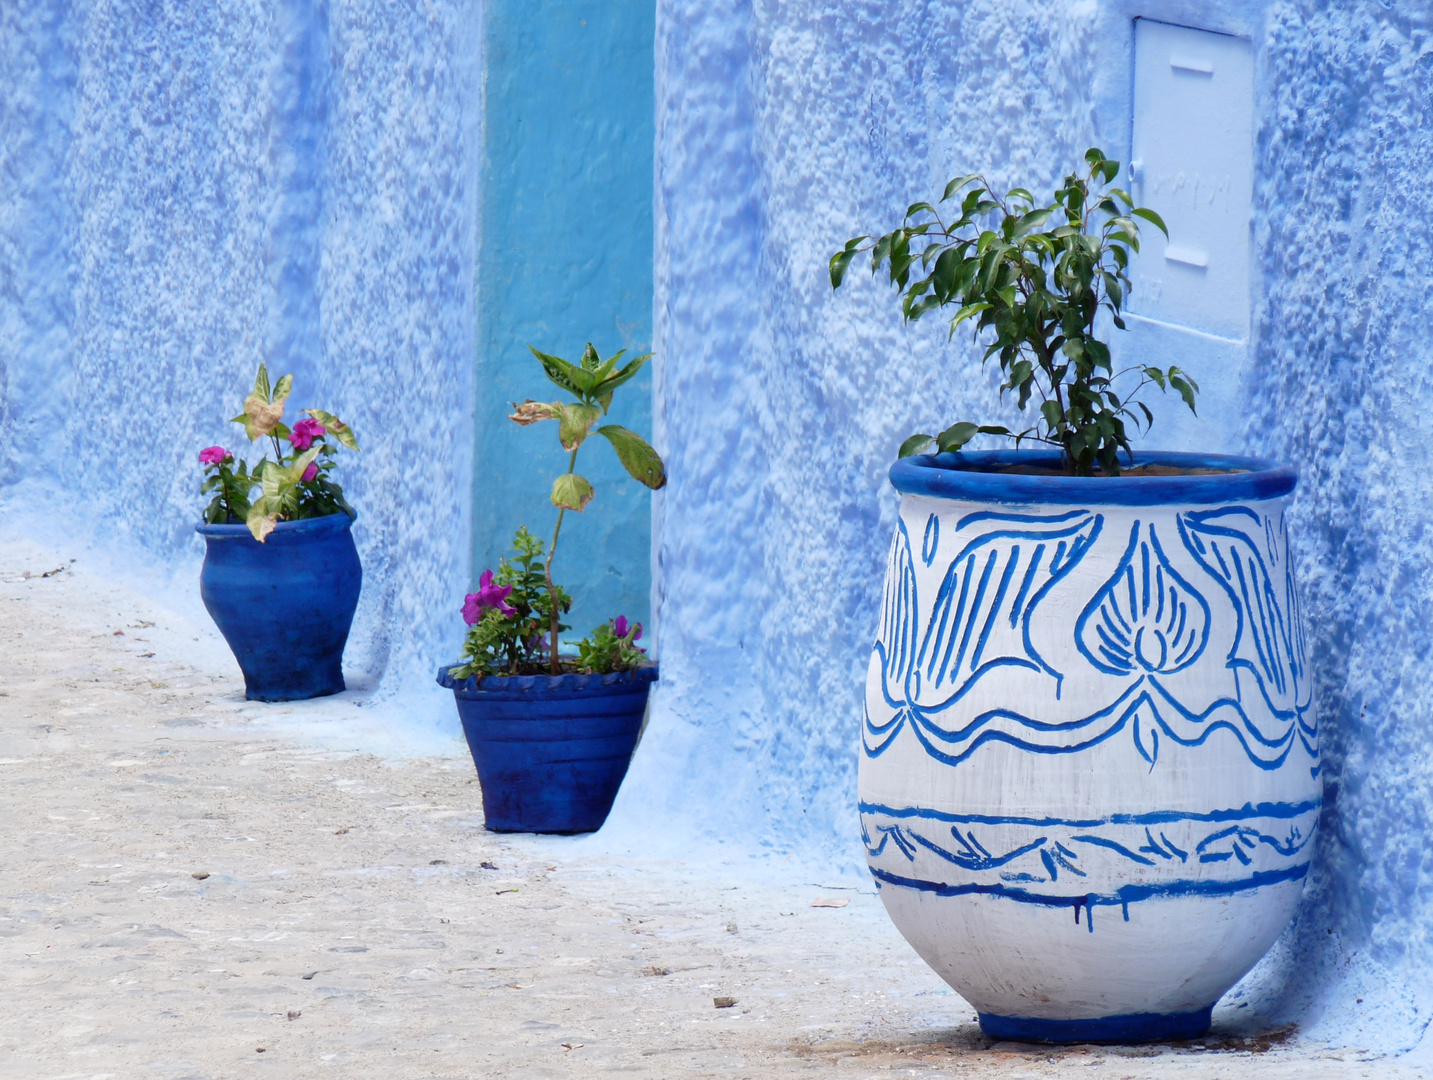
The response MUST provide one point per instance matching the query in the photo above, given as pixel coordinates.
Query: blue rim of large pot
(968, 476)
(329, 523)
(540, 684)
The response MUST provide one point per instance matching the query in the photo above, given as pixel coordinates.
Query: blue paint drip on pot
(1128, 1028)
(1123, 896)
(551, 751)
(284, 606)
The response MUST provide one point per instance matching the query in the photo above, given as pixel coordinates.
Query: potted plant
(1089, 772)
(281, 576)
(551, 733)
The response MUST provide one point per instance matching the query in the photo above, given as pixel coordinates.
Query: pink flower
(620, 626)
(311, 471)
(305, 432)
(487, 596)
(214, 455)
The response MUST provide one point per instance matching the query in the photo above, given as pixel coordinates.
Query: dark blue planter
(284, 606)
(551, 751)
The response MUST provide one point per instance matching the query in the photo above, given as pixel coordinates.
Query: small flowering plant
(515, 616)
(295, 484)
(611, 647)
(510, 614)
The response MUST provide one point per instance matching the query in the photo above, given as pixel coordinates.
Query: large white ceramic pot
(1089, 775)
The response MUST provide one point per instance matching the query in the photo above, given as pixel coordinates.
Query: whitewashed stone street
(193, 886)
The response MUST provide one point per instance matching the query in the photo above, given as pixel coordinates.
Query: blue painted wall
(566, 258)
(189, 189)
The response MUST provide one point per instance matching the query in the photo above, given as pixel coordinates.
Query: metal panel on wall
(1193, 163)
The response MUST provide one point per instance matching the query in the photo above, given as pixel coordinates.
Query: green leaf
(605, 369)
(966, 312)
(335, 427)
(574, 422)
(571, 492)
(1033, 220)
(839, 263)
(283, 388)
(1180, 371)
(261, 384)
(956, 436)
(958, 183)
(1153, 218)
(916, 444)
(604, 389)
(568, 376)
(1185, 391)
(642, 463)
(282, 478)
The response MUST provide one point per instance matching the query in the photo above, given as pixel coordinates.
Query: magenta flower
(305, 432)
(620, 627)
(311, 471)
(214, 455)
(487, 596)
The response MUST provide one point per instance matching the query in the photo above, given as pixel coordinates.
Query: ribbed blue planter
(284, 606)
(551, 751)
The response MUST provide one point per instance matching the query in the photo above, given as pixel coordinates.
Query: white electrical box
(1192, 162)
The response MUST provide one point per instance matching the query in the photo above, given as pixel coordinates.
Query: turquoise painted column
(565, 258)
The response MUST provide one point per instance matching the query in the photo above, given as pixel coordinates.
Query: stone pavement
(193, 886)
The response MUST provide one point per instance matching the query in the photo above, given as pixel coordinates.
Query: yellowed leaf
(533, 412)
(262, 526)
(263, 416)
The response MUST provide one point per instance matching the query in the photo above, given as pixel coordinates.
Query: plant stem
(547, 568)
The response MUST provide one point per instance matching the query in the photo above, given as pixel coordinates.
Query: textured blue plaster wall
(782, 129)
(188, 189)
(566, 258)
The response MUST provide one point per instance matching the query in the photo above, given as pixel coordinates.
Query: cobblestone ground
(195, 886)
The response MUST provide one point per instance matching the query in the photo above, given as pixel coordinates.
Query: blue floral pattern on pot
(1089, 774)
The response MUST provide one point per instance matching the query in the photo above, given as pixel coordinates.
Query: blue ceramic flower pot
(284, 606)
(551, 751)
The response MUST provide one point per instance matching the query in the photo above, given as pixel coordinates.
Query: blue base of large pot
(551, 751)
(284, 606)
(1130, 1028)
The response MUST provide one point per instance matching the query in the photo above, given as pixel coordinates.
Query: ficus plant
(515, 616)
(295, 484)
(1033, 280)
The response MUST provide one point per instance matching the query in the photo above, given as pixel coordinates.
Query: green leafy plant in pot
(1089, 674)
(552, 733)
(1037, 279)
